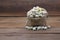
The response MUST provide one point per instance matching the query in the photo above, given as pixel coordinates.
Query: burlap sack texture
(36, 21)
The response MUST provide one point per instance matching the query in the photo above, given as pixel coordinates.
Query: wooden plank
(23, 34)
(24, 13)
(25, 31)
(14, 7)
(21, 14)
(30, 37)
(19, 22)
(22, 4)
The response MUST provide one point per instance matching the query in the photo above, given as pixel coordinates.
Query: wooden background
(13, 28)
(20, 7)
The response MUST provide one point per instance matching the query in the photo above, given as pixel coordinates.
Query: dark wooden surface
(15, 7)
(28, 4)
(13, 28)
(24, 14)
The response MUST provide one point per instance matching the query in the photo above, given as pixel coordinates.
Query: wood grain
(24, 14)
(15, 7)
(19, 22)
(13, 28)
(28, 4)
(31, 37)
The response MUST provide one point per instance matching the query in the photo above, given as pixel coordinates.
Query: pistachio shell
(34, 28)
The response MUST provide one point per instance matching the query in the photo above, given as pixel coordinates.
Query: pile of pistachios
(37, 12)
(38, 28)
